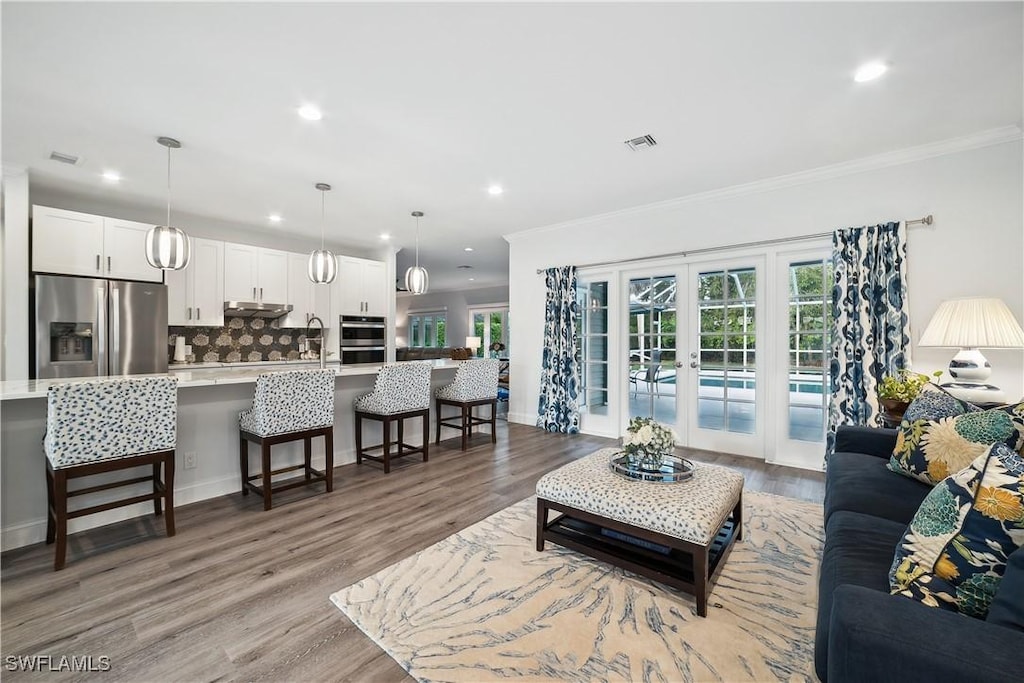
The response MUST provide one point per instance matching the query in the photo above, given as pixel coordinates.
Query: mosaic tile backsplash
(242, 339)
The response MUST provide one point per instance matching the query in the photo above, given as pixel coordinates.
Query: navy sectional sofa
(863, 632)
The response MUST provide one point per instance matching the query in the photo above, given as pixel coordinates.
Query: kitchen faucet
(323, 356)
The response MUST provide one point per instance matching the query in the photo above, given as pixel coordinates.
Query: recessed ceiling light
(310, 112)
(384, 236)
(275, 218)
(495, 190)
(468, 249)
(112, 176)
(870, 71)
(472, 279)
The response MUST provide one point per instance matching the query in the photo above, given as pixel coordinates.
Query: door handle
(694, 364)
(108, 264)
(261, 294)
(198, 314)
(97, 263)
(679, 363)
(253, 292)
(189, 312)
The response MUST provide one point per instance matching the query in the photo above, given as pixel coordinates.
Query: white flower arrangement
(648, 441)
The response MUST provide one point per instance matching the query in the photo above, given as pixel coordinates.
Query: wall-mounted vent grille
(65, 158)
(465, 267)
(642, 142)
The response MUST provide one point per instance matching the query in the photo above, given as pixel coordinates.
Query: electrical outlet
(191, 460)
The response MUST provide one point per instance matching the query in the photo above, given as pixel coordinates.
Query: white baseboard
(27, 533)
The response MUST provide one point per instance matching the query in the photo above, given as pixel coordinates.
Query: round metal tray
(673, 470)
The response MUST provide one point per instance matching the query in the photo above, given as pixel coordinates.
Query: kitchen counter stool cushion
(399, 388)
(106, 425)
(293, 405)
(401, 391)
(290, 401)
(475, 384)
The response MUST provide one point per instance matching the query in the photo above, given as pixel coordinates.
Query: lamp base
(975, 393)
(969, 366)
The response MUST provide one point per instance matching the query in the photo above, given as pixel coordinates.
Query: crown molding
(986, 138)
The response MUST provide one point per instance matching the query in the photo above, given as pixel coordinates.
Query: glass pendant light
(167, 247)
(416, 278)
(323, 267)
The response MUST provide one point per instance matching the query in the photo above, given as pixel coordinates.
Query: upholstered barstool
(402, 391)
(295, 405)
(102, 426)
(475, 384)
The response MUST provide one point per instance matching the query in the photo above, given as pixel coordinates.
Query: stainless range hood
(255, 309)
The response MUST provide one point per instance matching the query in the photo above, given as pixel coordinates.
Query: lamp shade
(167, 248)
(973, 323)
(473, 343)
(416, 280)
(323, 267)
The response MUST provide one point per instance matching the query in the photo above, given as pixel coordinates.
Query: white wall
(457, 305)
(14, 314)
(975, 247)
(194, 225)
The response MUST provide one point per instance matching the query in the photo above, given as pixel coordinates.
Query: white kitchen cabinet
(273, 276)
(361, 287)
(255, 274)
(195, 294)
(74, 243)
(306, 297)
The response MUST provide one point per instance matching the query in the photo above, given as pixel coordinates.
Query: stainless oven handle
(365, 326)
(364, 348)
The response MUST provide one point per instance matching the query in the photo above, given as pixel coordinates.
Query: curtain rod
(927, 220)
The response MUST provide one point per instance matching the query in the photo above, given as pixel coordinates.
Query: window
(810, 318)
(592, 346)
(427, 330)
(490, 324)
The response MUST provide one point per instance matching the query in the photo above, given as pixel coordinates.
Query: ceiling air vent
(642, 142)
(64, 158)
(464, 267)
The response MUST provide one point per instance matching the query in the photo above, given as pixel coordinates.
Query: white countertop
(204, 375)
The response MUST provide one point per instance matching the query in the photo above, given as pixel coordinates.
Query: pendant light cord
(323, 216)
(417, 241)
(168, 186)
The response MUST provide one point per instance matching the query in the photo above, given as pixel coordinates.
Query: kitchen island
(209, 401)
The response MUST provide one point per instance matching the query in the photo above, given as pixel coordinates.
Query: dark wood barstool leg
(494, 421)
(426, 433)
(359, 439)
(466, 424)
(60, 508)
(329, 457)
(243, 463)
(51, 528)
(401, 436)
(307, 448)
(169, 492)
(387, 444)
(437, 411)
(157, 496)
(265, 452)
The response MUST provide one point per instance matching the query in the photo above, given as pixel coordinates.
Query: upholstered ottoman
(678, 534)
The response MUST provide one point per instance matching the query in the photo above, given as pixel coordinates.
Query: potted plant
(895, 392)
(647, 442)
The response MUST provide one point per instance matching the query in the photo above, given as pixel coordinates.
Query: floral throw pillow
(955, 550)
(941, 434)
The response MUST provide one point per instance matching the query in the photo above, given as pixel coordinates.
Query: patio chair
(648, 374)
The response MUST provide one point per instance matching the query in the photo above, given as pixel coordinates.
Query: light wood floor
(242, 594)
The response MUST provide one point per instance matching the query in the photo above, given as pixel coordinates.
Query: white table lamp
(971, 324)
(473, 343)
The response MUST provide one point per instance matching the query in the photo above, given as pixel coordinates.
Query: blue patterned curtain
(871, 323)
(558, 409)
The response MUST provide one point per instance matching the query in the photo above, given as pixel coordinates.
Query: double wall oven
(363, 340)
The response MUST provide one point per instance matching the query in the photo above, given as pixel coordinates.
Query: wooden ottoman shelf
(678, 534)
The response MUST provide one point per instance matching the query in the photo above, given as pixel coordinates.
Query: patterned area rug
(484, 605)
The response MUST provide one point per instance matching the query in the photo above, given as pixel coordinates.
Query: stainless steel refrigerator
(91, 328)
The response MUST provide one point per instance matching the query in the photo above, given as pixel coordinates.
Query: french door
(724, 406)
